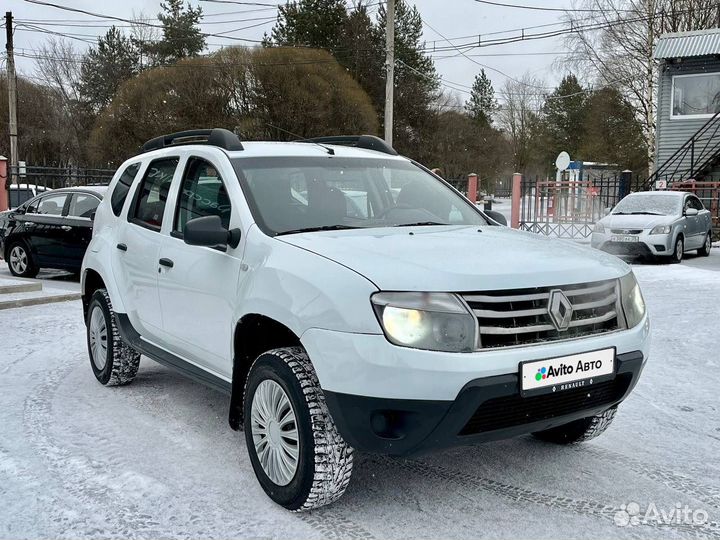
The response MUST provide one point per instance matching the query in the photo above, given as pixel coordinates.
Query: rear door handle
(121, 247)
(167, 262)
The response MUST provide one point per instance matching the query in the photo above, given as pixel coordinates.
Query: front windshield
(296, 194)
(652, 204)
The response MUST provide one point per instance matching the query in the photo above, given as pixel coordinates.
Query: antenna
(303, 139)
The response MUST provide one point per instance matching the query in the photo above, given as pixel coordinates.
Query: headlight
(661, 229)
(432, 321)
(599, 228)
(632, 300)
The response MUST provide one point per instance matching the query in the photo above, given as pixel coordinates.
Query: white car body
(319, 284)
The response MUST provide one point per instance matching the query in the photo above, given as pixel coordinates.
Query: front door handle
(66, 228)
(167, 262)
(121, 247)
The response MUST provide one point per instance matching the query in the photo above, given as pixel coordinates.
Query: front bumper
(648, 245)
(485, 410)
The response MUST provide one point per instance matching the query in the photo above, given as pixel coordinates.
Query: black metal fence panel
(27, 181)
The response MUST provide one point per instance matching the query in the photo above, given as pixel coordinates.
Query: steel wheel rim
(679, 250)
(18, 259)
(275, 432)
(98, 338)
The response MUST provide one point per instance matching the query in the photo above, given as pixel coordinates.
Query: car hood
(635, 221)
(459, 258)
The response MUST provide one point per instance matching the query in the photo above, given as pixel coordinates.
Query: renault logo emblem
(560, 310)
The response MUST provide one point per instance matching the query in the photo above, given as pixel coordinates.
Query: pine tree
(182, 37)
(106, 66)
(312, 23)
(563, 114)
(482, 103)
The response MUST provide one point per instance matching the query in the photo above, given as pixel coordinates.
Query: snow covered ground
(156, 459)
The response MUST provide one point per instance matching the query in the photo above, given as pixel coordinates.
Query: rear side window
(119, 194)
(202, 194)
(83, 205)
(152, 194)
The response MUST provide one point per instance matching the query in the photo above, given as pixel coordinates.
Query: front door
(43, 222)
(138, 247)
(197, 292)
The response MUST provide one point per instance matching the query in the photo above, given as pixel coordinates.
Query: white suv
(346, 298)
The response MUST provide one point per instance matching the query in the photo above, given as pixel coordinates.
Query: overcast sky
(449, 18)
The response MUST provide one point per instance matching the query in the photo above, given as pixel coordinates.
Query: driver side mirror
(208, 231)
(690, 212)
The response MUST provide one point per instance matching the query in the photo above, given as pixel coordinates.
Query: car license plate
(566, 372)
(624, 238)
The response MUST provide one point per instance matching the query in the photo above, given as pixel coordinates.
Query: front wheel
(580, 430)
(21, 261)
(299, 458)
(705, 250)
(677, 255)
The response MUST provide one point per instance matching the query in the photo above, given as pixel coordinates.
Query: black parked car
(51, 230)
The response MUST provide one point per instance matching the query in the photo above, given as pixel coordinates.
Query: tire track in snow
(709, 495)
(78, 475)
(333, 526)
(516, 494)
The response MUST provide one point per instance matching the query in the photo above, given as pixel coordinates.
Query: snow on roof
(688, 44)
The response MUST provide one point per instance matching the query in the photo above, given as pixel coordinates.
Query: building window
(695, 96)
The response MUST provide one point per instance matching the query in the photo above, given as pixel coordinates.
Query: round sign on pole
(563, 161)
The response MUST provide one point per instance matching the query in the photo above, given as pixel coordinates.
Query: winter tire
(580, 430)
(21, 262)
(298, 456)
(113, 362)
(705, 250)
(677, 255)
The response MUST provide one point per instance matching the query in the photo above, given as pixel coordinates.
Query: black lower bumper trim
(485, 409)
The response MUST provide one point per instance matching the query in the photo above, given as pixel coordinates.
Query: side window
(52, 205)
(83, 205)
(202, 193)
(32, 206)
(119, 194)
(152, 193)
(695, 203)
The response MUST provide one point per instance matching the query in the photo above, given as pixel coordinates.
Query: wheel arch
(254, 334)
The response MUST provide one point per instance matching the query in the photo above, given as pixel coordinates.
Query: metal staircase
(694, 159)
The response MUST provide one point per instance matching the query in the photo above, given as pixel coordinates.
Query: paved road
(156, 458)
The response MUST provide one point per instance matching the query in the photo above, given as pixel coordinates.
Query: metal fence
(26, 181)
(570, 208)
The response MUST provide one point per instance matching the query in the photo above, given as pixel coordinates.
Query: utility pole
(12, 97)
(389, 69)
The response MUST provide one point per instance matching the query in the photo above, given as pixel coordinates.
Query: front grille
(521, 316)
(514, 410)
(626, 231)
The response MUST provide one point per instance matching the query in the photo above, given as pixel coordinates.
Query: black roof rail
(219, 137)
(366, 142)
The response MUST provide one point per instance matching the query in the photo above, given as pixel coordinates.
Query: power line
(543, 8)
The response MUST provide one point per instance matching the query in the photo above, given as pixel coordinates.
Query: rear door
(78, 225)
(137, 251)
(43, 223)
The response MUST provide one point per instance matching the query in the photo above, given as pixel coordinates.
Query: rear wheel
(578, 431)
(21, 261)
(299, 458)
(705, 249)
(113, 362)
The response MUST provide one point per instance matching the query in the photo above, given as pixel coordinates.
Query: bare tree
(518, 118)
(614, 45)
(142, 32)
(58, 66)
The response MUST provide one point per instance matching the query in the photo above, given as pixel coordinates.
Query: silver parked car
(654, 224)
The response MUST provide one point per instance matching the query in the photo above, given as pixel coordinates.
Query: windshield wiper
(316, 229)
(637, 214)
(419, 224)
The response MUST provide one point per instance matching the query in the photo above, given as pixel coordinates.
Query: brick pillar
(472, 187)
(516, 194)
(4, 184)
